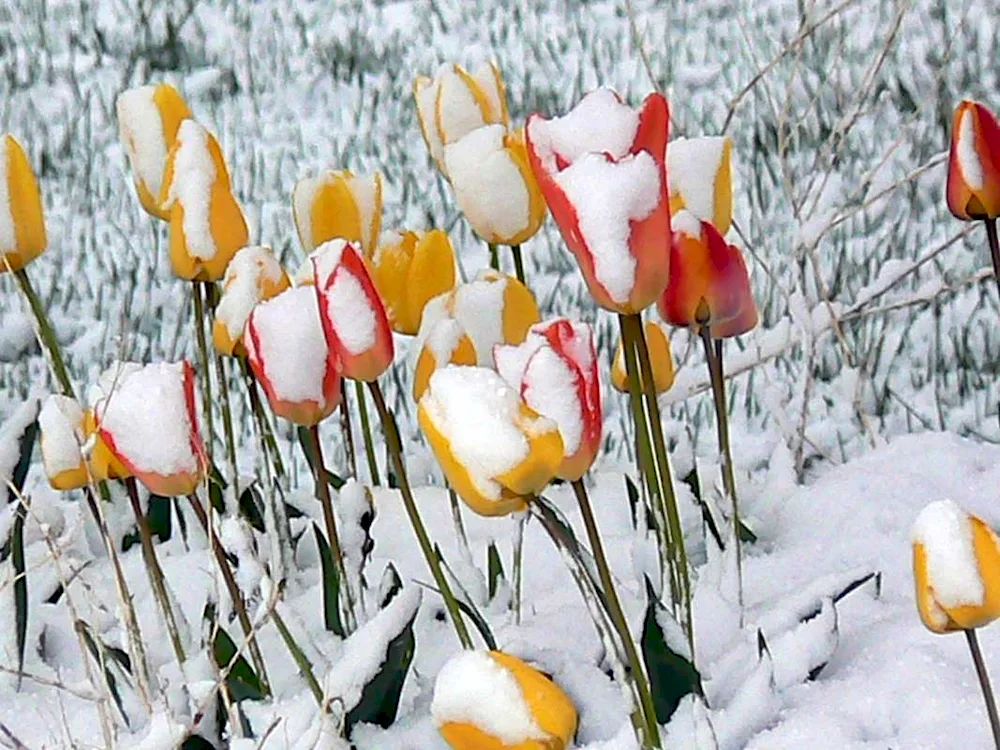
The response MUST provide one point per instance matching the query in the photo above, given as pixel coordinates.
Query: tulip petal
(22, 223)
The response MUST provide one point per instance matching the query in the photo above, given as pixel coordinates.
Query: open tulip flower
(148, 120)
(148, 422)
(338, 204)
(22, 224)
(455, 102)
(701, 179)
(602, 171)
(494, 449)
(489, 700)
(354, 319)
(494, 185)
(661, 360)
(446, 343)
(206, 223)
(974, 163)
(253, 275)
(555, 372)
(410, 269)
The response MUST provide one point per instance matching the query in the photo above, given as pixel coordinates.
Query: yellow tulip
(447, 344)
(22, 224)
(700, 177)
(410, 269)
(660, 359)
(338, 204)
(494, 701)
(254, 275)
(62, 436)
(104, 464)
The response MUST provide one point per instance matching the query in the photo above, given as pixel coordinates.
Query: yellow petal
(660, 358)
(987, 549)
(545, 454)
(432, 272)
(462, 353)
(520, 311)
(24, 202)
(551, 707)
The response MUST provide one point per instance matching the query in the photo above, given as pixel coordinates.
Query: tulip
(353, 316)
(974, 163)
(62, 437)
(446, 344)
(253, 276)
(494, 701)
(494, 449)
(660, 359)
(148, 120)
(149, 424)
(338, 204)
(288, 353)
(601, 169)
(494, 185)
(410, 269)
(455, 102)
(206, 224)
(555, 372)
(701, 179)
(22, 224)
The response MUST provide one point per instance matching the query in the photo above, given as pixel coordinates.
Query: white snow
(598, 124)
(692, 168)
(8, 237)
(61, 423)
(11, 433)
(968, 157)
(426, 98)
(303, 197)
(456, 109)
(350, 310)
(249, 269)
(489, 80)
(945, 532)
(140, 130)
(191, 186)
(686, 223)
(444, 338)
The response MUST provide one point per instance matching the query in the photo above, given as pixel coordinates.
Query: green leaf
(195, 742)
(633, 500)
(494, 569)
(464, 602)
(746, 534)
(671, 675)
(104, 657)
(216, 486)
(242, 681)
(252, 507)
(331, 585)
(692, 480)
(160, 517)
(391, 585)
(25, 448)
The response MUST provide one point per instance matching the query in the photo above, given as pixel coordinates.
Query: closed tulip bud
(709, 283)
(602, 171)
(22, 224)
(338, 204)
(555, 372)
(446, 344)
(288, 352)
(353, 316)
(410, 269)
(455, 102)
(253, 275)
(148, 422)
(974, 163)
(206, 224)
(489, 700)
(701, 179)
(62, 439)
(148, 120)
(494, 185)
(103, 463)
(661, 360)
(493, 448)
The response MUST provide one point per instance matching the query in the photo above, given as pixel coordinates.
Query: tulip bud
(148, 120)
(494, 449)
(660, 359)
(974, 163)
(253, 275)
(148, 422)
(446, 344)
(555, 372)
(410, 269)
(956, 569)
(206, 224)
(701, 179)
(61, 424)
(709, 283)
(494, 185)
(288, 352)
(22, 224)
(455, 102)
(601, 169)
(338, 204)
(353, 316)
(494, 700)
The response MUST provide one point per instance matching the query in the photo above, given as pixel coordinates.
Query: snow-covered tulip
(602, 171)
(494, 185)
(974, 163)
(489, 700)
(701, 179)
(354, 319)
(410, 269)
(661, 360)
(289, 355)
(338, 204)
(62, 438)
(447, 343)
(253, 275)
(148, 422)
(206, 223)
(455, 102)
(709, 283)
(956, 569)
(555, 372)
(148, 120)
(494, 449)
(22, 224)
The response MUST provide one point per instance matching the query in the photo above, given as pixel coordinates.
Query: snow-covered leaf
(667, 656)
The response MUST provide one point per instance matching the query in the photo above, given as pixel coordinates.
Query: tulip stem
(395, 446)
(518, 263)
(323, 493)
(494, 256)
(984, 682)
(205, 379)
(345, 426)
(517, 571)
(227, 412)
(261, 418)
(456, 517)
(45, 332)
(616, 612)
(991, 234)
(366, 433)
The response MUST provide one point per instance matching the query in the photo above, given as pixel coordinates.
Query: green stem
(366, 432)
(991, 233)
(518, 567)
(395, 446)
(205, 379)
(494, 256)
(300, 659)
(257, 407)
(227, 412)
(984, 683)
(345, 427)
(45, 332)
(518, 263)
